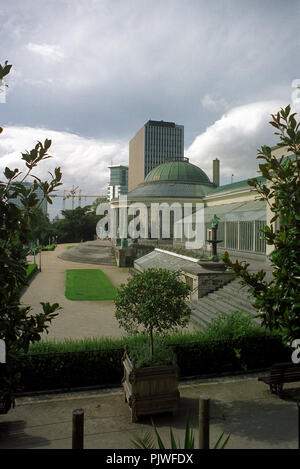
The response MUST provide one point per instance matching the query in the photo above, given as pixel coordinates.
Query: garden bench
(281, 373)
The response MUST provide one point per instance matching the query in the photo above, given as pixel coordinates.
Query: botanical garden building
(177, 197)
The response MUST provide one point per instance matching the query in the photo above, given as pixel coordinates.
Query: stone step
(223, 304)
(201, 315)
(227, 299)
(209, 307)
(89, 254)
(203, 318)
(198, 318)
(205, 310)
(236, 289)
(235, 300)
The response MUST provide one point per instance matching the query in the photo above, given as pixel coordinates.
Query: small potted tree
(153, 303)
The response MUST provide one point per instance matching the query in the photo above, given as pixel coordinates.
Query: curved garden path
(77, 319)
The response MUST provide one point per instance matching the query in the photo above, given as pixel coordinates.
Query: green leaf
(172, 439)
(159, 440)
(264, 171)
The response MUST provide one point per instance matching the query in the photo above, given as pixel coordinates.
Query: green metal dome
(177, 171)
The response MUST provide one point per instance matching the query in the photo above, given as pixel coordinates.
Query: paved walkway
(77, 319)
(241, 407)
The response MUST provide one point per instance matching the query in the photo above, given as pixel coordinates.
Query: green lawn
(89, 284)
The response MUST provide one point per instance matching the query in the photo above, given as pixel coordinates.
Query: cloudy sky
(88, 74)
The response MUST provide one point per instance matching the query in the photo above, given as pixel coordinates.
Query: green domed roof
(177, 171)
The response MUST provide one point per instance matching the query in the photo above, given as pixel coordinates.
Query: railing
(241, 235)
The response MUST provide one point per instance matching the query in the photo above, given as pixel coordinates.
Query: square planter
(150, 390)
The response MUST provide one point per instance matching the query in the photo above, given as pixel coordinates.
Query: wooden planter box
(150, 390)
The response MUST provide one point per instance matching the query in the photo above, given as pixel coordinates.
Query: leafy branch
(277, 300)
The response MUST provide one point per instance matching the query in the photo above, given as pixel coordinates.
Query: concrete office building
(155, 143)
(118, 183)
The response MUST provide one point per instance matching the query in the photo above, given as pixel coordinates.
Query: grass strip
(30, 269)
(88, 285)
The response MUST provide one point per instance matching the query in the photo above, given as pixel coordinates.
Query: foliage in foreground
(97, 361)
(18, 326)
(278, 300)
(150, 441)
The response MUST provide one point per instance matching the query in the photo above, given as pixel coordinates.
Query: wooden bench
(281, 373)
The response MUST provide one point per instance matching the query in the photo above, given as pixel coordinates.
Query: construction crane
(72, 194)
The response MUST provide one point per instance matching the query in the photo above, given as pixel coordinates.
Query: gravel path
(77, 319)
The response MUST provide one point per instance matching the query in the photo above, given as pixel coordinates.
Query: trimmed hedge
(50, 371)
(67, 370)
(49, 247)
(222, 356)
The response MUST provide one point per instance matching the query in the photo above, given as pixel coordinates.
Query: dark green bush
(49, 247)
(220, 356)
(162, 355)
(197, 355)
(71, 370)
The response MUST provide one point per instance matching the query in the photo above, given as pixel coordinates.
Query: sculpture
(214, 226)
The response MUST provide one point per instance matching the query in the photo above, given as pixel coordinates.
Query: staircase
(89, 253)
(227, 299)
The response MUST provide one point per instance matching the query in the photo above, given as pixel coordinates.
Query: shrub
(154, 302)
(162, 355)
(231, 326)
(97, 362)
(49, 247)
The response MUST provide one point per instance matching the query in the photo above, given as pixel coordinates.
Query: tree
(278, 300)
(98, 201)
(77, 225)
(154, 300)
(41, 227)
(18, 325)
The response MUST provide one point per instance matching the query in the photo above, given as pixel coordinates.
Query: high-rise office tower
(118, 183)
(155, 143)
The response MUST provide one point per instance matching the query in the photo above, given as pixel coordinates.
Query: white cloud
(84, 162)
(211, 103)
(234, 140)
(50, 52)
